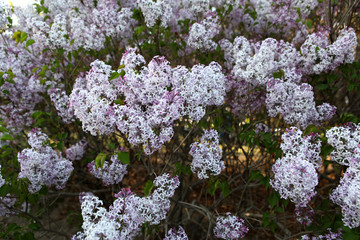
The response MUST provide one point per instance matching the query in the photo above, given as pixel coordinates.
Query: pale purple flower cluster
(320, 56)
(9, 201)
(128, 212)
(91, 98)
(176, 235)
(112, 172)
(347, 196)
(295, 175)
(295, 102)
(200, 86)
(77, 151)
(207, 155)
(345, 140)
(4, 13)
(150, 106)
(304, 214)
(329, 236)
(201, 34)
(61, 103)
(42, 165)
(230, 227)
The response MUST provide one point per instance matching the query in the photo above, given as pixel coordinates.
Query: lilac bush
(200, 107)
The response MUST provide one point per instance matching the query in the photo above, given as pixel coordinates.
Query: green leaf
(139, 30)
(148, 187)
(124, 157)
(4, 190)
(29, 42)
(266, 219)
(273, 199)
(119, 101)
(255, 175)
(279, 209)
(23, 37)
(3, 129)
(114, 75)
(224, 186)
(213, 186)
(5, 137)
(322, 86)
(100, 160)
(309, 23)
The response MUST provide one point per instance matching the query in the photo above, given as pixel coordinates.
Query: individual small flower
(230, 227)
(207, 155)
(176, 235)
(76, 151)
(112, 172)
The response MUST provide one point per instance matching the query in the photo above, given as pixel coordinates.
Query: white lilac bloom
(128, 212)
(201, 34)
(207, 155)
(112, 172)
(176, 235)
(91, 99)
(61, 103)
(318, 55)
(345, 140)
(230, 227)
(296, 103)
(77, 151)
(199, 86)
(42, 165)
(295, 175)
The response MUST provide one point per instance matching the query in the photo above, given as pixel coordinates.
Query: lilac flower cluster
(91, 98)
(207, 155)
(4, 13)
(345, 140)
(199, 87)
(77, 151)
(347, 196)
(128, 212)
(7, 202)
(304, 214)
(112, 172)
(329, 236)
(295, 174)
(176, 235)
(201, 34)
(295, 102)
(230, 227)
(61, 103)
(254, 64)
(42, 165)
(321, 56)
